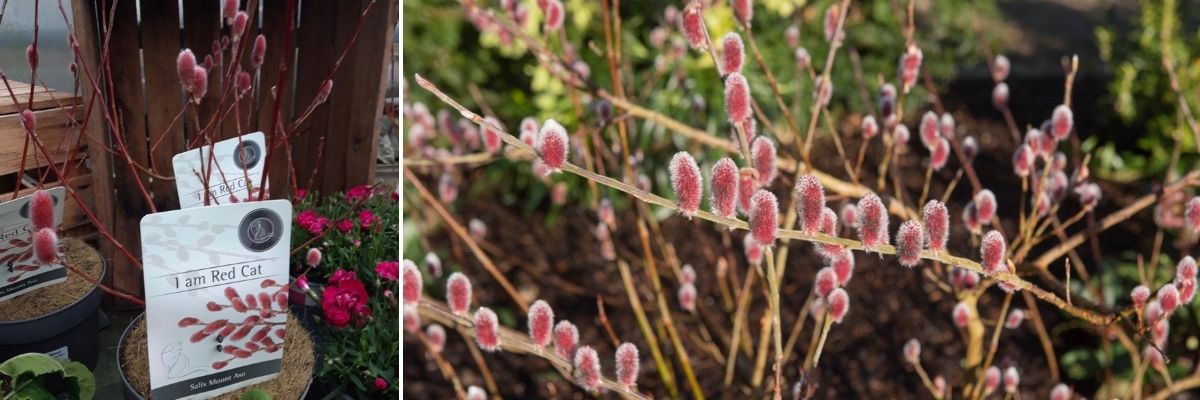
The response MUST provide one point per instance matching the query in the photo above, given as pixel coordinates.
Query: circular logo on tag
(24, 212)
(260, 230)
(249, 153)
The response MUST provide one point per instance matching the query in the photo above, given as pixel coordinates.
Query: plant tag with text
(231, 167)
(216, 296)
(20, 271)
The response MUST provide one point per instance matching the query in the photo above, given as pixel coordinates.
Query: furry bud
(477, 228)
(433, 264)
(929, 130)
(529, 131)
(685, 180)
(199, 83)
(554, 15)
(948, 126)
(1011, 380)
(627, 364)
(1023, 160)
(792, 34)
(831, 21)
(260, 51)
(687, 297)
(1040, 142)
(41, 210)
(737, 97)
(743, 10)
(1000, 96)
(1000, 68)
(552, 145)
(991, 252)
(872, 221)
(412, 320)
(31, 56)
(45, 247)
(476, 393)
(962, 315)
(822, 91)
(970, 217)
(587, 368)
(1192, 214)
(1062, 121)
(313, 258)
(828, 226)
(487, 330)
(811, 202)
(1060, 392)
(887, 101)
(1185, 270)
(763, 155)
(687, 274)
(747, 185)
(764, 217)
(825, 282)
(239, 25)
(912, 351)
(754, 253)
(991, 380)
(1154, 311)
(802, 58)
(491, 138)
(724, 188)
(1168, 297)
(909, 240)
(733, 53)
(843, 266)
(437, 337)
(566, 337)
(870, 128)
(243, 81)
(985, 203)
(901, 136)
(937, 225)
(1015, 317)
(849, 215)
(185, 65)
(541, 322)
(939, 154)
(1089, 194)
(839, 304)
(970, 148)
(910, 67)
(693, 26)
(412, 283)
(458, 294)
(447, 189)
(1139, 295)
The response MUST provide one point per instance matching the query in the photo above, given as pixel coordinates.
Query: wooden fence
(146, 38)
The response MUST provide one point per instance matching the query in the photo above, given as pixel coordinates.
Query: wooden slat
(201, 26)
(73, 215)
(318, 52)
(160, 48)
(241, 122)
(43, 98)
(54, 129)
(275, 26)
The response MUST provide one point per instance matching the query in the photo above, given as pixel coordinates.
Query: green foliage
(357, 249)
(256, 394)
(36, 376)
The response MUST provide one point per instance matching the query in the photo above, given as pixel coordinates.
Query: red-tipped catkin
(437, 337)
(529, 131)
(763, 156)
(487, 329)
(185, 65)
(810, 202)
(1138, 296)
(872, 222)
(1168, 297)
(552, 145)
(313, 258)
(491, 138)
(566, 337)
(239, 25)
(849, 215)
(829, 221)
(45, 246)
(1040, 142)
(901, 136)
(747, 184)
(909, 240)
(822, 91)
(685, 180)
(458, 294)
(825, 282)
(743, 10)
(199, 84)
(843, 266)
(554, 15)
(929, 130)
(733, 53)
(940, 154)
(792, 34)
(693, 26)
(1154, 311)
(1000, 68)
(1060, 392)
(764, 217)
(31, 56)
(839, 304)
(627, 364)
(937, 225)
(1011, 379)
(985, 203)
(447, 189)
(1089, 194)
(912, 351)
(991, 380)
(1192, 214)
(1015, 317)
(412, 284)
(41, 210)
(991, 252)
(970, 148)
(948, 125)
(412, 320)
(1023, 160)
(961, 315)
(541, 323)
(29, 121)
(687, 297)
(1000, 96)
(830, 22)
(870, 128)
(1062, 121)
(724, 188)
(887, 102)
(687, 274)
(476, 393)
(587, 368)
(260, 51)
(753, 250)
(243, 81)
(478, 229)
(737, 97)
(910, 67)
(802, 58)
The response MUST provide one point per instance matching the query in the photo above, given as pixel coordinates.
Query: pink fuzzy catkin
(199, 84)
(764, 217)
(746, 187)
(991, 380)
(947, 128)
(566, 337)
(733, 53)
(541, 323)
(872, 222)
(243, 81)
(724, 187)
(985, 203)
(1000, 96)
(753, 250)
(31, 56)
(693, 26)
(41, 210)
(1139, 295)
(476, 393)
(1023, 160)
(687, 297)
(1192, 214)
(685, 180)
(29, 122)
(458, 294)
(1060, 392)
(991, 253)
(970, 148)
(239, 25)
(260, 51)
(1000, 68)
(412, 284)
(912, 351)
(743, 11)
(870, 128)
(909, 240)
(412, 320)
(937, 225)
(929, 130)
(487, 330)
(829, 221)
(45, 246)
(825, 282)
(687, 274)
(910, 67)
(1168, 297)
(763, 156)
(627, 363)
(1041, 143)
(939, 154)
(810, 203)
(737, 97)
(313, 258)
(491, 138)
(554, 15)
(185, 65)
(961, 315)
(587, 368)
(822, 91)
(433, 264)
(849, 215)
(1015, 317)
(1061, 122)
(831, 21)
(843, 266)
(529, 131)
(436, 335)
(839, 304)
(1011, 379)
(552, 145)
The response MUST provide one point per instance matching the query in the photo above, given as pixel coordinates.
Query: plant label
(228, 171)
(216, 296)
(20, 271)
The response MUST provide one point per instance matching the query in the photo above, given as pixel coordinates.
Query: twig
(644, 323)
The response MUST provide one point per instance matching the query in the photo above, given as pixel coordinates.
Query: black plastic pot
(71, 331)
(127, 388)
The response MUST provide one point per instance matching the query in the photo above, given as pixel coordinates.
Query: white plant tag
(20, 271)
(223, 173)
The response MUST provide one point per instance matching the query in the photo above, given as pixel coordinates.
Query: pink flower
(342, 275)
(1192, 214)
(1139, 295)
(491, 138)
(552, 145)
(627, 364)
(302, 282)
(687, 297)
(458, 293)
(243, 82)
(1023, 160)
(685, 180)
(947, 126)
(343, 301)
(1168, 297)
(541, 322)
(733, 53)
(746, 187)
(753, 250)
(239, 25)
(991, 380)
(909, 240)
(910, 67)
(724, 188)
(1011, 379)
(366, 218)
(811, 203)
(828, 226)
(929, 130)
(199, 84)
(554, 15)
(301, 193)
(1000, 96)
(29, 121)
(360, 192)
(437, 337)
(229, 8)
(345, 226)
(1060, 392)
(843, 266)
(31, 56)
(985, 203)
(939, 154)
(487, 330)
(380, 383)
(764, 217)
(737, 97)
(870, 128)
(387, 270)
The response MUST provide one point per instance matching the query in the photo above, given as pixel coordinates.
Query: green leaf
(35, 364)
(85, 382)
(31, 390)
(256, 394)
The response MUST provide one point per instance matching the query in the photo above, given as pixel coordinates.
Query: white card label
(20, 271)
(216, 296)
(230, 167)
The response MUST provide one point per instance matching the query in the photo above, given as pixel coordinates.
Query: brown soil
(297, 372)
(56, 297)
